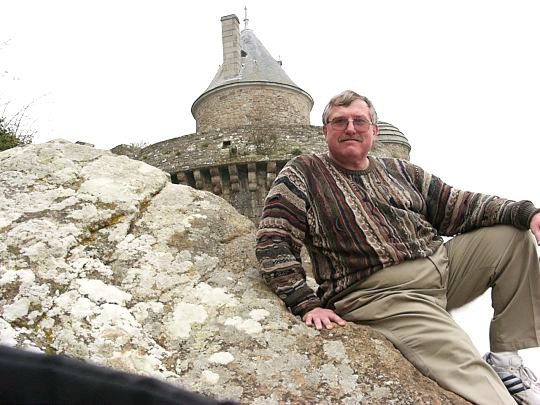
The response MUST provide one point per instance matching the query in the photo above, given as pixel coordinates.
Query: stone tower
(251, 120)
(250, 88)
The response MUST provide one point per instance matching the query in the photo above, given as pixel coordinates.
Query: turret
(250, 88)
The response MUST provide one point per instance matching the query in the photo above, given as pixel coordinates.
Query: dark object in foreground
(33, 378)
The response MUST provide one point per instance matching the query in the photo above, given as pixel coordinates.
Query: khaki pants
(408, 303)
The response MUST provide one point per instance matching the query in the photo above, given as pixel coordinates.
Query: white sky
(461, 79)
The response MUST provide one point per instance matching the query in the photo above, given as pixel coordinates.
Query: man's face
(350, 145)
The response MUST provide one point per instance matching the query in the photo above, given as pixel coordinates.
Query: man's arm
(280, 236)
(452, 211)
(279, 240)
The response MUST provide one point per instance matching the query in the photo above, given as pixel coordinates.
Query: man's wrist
(306, 306)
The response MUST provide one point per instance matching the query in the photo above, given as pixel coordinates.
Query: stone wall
(234, 145)
(243, 185)
(130, 151)
(394, 141)
(395, 150)
(263, 105)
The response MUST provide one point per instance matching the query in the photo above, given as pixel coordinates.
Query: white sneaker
(518, 379)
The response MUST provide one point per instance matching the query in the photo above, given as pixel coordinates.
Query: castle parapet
(244, 185)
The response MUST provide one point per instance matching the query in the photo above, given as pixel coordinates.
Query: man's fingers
(328, 323)
(320, 317)
(337, 319)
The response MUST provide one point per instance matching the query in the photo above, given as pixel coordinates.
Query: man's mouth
(356, 139)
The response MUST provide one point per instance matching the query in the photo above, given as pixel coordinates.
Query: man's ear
(325, 130)
(375, 132)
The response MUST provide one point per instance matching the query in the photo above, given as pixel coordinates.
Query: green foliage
(138, 145)
(11, 134)
(296, 151)
(8, 139)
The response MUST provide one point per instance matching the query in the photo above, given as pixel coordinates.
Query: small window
(243, 53)
(225, 144)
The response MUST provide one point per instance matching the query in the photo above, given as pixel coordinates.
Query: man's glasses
(341, 123)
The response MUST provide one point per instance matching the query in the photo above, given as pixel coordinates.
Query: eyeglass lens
(342, 123)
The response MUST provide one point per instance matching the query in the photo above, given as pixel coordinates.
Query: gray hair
(345, 99)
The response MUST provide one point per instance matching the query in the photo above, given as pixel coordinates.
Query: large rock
(103, 259)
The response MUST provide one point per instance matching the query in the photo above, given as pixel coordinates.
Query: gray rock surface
(103, 259)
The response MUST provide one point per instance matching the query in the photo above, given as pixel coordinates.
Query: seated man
(373, 227)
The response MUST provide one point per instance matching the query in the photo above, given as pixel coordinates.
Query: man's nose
(350, 126)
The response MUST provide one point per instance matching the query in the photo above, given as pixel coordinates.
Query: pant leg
(406, 303)
(505, 259)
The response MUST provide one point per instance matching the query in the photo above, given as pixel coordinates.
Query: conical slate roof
(388, 133)
(257, 65)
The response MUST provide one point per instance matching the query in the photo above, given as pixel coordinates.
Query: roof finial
(245, 18)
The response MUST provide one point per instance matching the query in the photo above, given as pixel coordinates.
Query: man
(373, 228)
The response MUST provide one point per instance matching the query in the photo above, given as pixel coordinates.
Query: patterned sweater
(354, 223)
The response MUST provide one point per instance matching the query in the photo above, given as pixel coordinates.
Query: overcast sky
(460, 79)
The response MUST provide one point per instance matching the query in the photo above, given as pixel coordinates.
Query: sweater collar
(370, 168)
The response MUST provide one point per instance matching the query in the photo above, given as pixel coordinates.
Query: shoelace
(527, 376)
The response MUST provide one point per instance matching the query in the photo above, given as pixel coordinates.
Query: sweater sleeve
(279, 240)
(452, 211)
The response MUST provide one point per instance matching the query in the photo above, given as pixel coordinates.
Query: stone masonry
(254, 104)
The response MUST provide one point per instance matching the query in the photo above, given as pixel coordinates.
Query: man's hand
(535, 226)
(320, 317)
